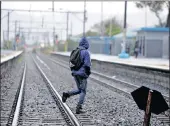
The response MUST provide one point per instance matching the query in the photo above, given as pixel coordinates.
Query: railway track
(65, 110)
(117, 85)
(25, 109)
(76, 119)
(64, 115)
(10, 86)
(18, 117)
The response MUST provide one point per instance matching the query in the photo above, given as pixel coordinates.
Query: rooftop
(154, 29)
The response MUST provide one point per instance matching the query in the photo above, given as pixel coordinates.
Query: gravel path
(9, 86)
(104, 106)
(39, 107)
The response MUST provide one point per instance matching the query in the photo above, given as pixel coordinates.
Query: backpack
(75, 62)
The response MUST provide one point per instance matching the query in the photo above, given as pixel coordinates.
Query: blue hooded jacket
(84, 71)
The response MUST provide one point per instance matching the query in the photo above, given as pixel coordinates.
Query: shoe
(65, 96)
(79, 109)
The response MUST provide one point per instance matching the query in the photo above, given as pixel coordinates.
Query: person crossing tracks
(80, 64)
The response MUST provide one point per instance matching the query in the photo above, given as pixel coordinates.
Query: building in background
(153, 42)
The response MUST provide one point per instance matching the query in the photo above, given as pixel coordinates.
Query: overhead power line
(6, 15)
(40, 22)
(41, 28)
(41, 11)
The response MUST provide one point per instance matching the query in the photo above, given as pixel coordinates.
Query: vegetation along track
(117, 85)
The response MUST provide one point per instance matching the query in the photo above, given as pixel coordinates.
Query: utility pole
(15, 42)
(8, 28)
(124, 30)
(84, 22)
(19, 28)
(54, 38)
(66, 43)
(48, 40)
(145, 14)
(110, 30)
(3, 39)
(42, 22)
(102, 18)
(71, 28)
(0, 35)
(61, 34)
(53, 27)
(67, 26)
(19, 32)
(123, 53)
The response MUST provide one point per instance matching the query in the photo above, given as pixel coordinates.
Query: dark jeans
(81, 88)
(136, 54)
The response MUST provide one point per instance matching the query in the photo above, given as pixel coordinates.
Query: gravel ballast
(138, 76)
(9, 85)
(103, 105)
(39, 107)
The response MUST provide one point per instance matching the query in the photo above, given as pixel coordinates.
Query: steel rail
(67, 110)
(130, 85)
(19, 101)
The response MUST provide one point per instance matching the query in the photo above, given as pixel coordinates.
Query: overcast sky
(135, 16)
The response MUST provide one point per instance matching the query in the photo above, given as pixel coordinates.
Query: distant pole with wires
(15, 35)
(67, 25)
(84, 21)
(102, 18)
(53, 27)
(8, 28)
(145, 14)
(67, 38)
(124, 31)
(71, 28)
(110, 29)
(123, 53)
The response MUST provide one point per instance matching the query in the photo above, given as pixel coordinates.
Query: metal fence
(97, 45)
(104, 45)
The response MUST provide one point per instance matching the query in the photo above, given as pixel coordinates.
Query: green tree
(7, 45)
(89, 33)
(110, 27)
(157, 8)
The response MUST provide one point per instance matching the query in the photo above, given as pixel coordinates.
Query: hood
(84, 43)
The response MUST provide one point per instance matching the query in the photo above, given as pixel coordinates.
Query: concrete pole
(67, 25)
(53, 27)
(102, 18)
(145, 15)
(110, 29)
(8, 28)
(15, 42)
(84, 21)
(66, 42)
(3, 38)
(71, 28)
(124, 30)
(61, 34)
